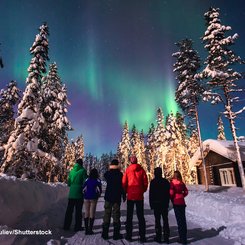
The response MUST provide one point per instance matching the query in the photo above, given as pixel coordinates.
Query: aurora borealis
(115, 57)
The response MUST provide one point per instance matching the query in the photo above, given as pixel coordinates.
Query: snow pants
(111, 209)
(161, 212)
(78, 204)
(140, 215)
(179, 211)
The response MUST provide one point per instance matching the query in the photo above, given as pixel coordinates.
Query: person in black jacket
(113, 195)
(159, 196)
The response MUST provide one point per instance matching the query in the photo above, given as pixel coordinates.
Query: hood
(76, 167)
(136, 167)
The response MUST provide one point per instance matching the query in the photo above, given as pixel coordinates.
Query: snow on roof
(224, 148)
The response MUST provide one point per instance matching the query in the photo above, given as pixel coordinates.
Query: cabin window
(227, 177)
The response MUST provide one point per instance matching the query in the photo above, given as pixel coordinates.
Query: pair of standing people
(160, 193)
(134, 182)
(83, 189)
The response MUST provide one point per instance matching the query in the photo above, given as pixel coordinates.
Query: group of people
(120, 187)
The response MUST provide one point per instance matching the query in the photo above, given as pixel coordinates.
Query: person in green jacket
(76, 179)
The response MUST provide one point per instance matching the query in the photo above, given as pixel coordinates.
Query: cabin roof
(224, 148)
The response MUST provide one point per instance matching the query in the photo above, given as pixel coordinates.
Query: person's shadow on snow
(193, 235)
(199, 234)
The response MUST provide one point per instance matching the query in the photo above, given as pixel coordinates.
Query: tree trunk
(201, 150)
(233, 131)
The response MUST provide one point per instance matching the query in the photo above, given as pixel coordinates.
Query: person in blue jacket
(92, 190)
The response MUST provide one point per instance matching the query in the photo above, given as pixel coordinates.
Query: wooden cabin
(221, 165)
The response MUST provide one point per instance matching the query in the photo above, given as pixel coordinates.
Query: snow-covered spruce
(124, 148)
(176, 157)
(221, 129)
(103, 163)
(79, 147)
(143, 151)
(9, 97)
(22, 155)
(189, 90)
(219, 73)
(159, 142)
(53, 133)
(135, 145)
(70, 154)
(150, 151)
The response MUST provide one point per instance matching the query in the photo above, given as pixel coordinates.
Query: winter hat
(158, 172)
(114, 162)
(133, 159)
(79, 161)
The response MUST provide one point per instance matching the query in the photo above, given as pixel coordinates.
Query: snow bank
(21, 198)
(220, 208)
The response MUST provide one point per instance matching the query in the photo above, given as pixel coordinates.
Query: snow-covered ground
(216, 217)
(221, 208)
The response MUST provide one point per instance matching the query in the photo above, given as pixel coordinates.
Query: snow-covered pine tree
(104, 164)
(189, 90)
(185, 157)
(90, 162)
(53, 134)
(79, 147)
(151, 151)
(176, 157)
(54, 109)
(135, 143)
(160, 144)
(124, 147)
(221, 129)
(222, 79)
(173, 154)
(9, 97)
(193, 145)
(22, 155)
(143, 151)
(70, 155)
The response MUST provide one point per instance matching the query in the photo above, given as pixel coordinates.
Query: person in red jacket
(135, 183)
(178, 192)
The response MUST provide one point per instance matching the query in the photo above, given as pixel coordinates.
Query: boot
(91, 224)
(158, 237)
(128, 236)
(116, 232)
(142, 231)
(86, 226)
(105, 231)
(166, 239)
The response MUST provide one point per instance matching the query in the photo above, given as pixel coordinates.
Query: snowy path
(196, 235)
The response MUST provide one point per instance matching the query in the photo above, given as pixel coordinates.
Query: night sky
(115, 58)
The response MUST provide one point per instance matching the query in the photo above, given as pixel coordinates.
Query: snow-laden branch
(237, 90)
(50, 157)
(240, 111)
(235, 99)
(213, 97)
